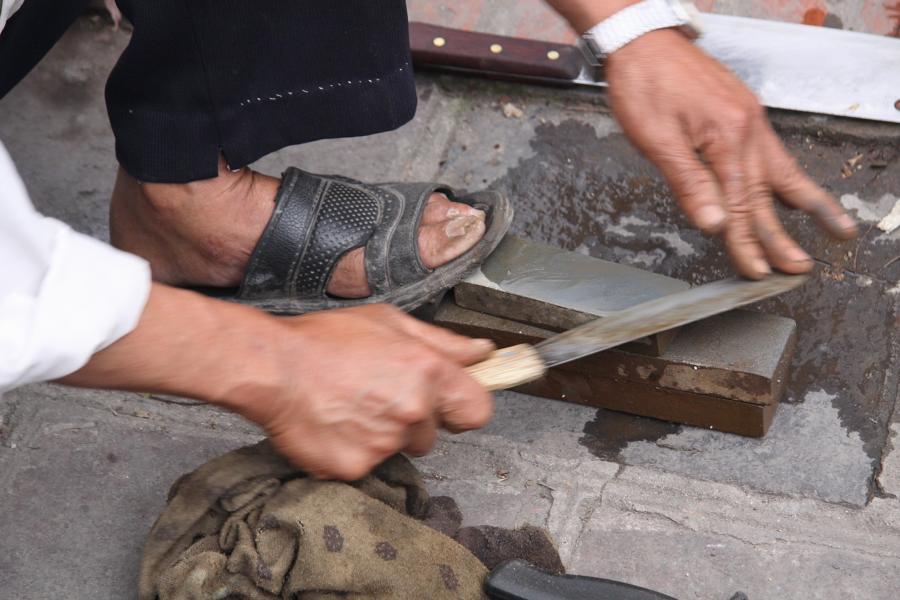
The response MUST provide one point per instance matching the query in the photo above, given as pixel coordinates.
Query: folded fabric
(249, 526)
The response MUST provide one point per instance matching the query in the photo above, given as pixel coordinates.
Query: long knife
(518, 365)
(789, 66)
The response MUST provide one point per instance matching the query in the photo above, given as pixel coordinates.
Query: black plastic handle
(517, 580)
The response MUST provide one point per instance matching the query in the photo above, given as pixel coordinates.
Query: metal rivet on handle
(439, 42)
(496, 48)
(897, 104)
(553, 55)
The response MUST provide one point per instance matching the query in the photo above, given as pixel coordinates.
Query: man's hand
(337, 392)
(356, 386)
(707, 133)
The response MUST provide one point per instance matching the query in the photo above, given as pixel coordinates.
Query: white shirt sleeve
(7, 8)
(63, 295)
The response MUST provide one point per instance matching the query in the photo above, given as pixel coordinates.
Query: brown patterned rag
(248, 525)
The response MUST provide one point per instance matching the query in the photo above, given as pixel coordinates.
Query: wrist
(654, 46)
(241, 359)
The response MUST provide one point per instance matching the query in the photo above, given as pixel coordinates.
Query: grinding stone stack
(725, 373)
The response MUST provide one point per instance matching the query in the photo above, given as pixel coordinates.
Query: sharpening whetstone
(726, 373)
(557, 290)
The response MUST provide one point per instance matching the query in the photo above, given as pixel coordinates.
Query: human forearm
(584, 14)
(184, 344)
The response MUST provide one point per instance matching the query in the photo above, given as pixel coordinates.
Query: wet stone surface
(558, 290)
(580, 185)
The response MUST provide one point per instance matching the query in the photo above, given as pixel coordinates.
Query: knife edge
(661, 314)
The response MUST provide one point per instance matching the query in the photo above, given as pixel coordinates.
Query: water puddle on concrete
(611, 432)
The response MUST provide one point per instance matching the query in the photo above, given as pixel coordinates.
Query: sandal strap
(316, 221)
(378, 249)
(405, 262)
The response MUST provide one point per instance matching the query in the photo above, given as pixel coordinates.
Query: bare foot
(203, 233)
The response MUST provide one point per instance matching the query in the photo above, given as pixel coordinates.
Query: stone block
(726, 373)
(557, 290)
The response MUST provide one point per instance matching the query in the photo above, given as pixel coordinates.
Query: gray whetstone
(726, 372)
(557, 290)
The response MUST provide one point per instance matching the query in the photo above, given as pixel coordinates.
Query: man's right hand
(337, 392)
(353, 387)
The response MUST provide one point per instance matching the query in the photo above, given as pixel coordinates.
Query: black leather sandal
(319, 218)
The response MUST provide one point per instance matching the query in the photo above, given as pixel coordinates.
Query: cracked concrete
(811, 511)
(777, 458)
(81, 480)
(768, 547)
(686, 537)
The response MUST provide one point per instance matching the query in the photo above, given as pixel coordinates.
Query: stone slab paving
(809, 511)
(83, 475)
(685, 537)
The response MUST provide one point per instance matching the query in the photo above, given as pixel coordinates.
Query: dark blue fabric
(239, 78)
(30, 34)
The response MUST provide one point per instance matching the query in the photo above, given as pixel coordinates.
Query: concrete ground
(811, 511)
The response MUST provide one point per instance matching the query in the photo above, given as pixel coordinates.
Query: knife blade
(517, 365)
(789, 66)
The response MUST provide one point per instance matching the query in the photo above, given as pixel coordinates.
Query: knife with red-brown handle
(494, 56)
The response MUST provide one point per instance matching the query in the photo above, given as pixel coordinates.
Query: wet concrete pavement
(811, 509)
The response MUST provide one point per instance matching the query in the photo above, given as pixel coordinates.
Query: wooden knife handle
(434, 46)
(509, 368)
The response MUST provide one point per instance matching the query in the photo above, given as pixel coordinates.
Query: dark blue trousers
(238, 78)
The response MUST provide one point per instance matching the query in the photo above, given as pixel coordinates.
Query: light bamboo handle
(509, 367)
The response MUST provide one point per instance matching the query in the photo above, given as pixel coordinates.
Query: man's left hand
(709, 135)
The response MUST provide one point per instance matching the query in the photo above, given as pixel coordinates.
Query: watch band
(631, 23)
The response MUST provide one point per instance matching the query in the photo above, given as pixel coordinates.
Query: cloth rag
(250, 526)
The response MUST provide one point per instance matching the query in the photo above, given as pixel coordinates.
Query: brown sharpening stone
(557, 290)
(726, 372)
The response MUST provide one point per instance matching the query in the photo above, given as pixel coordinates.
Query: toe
(441, 243)
(440, 208)
(436, 209)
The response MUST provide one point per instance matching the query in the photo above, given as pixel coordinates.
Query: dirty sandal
(320, 218)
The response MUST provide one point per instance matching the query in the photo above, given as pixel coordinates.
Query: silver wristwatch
(634, 21)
